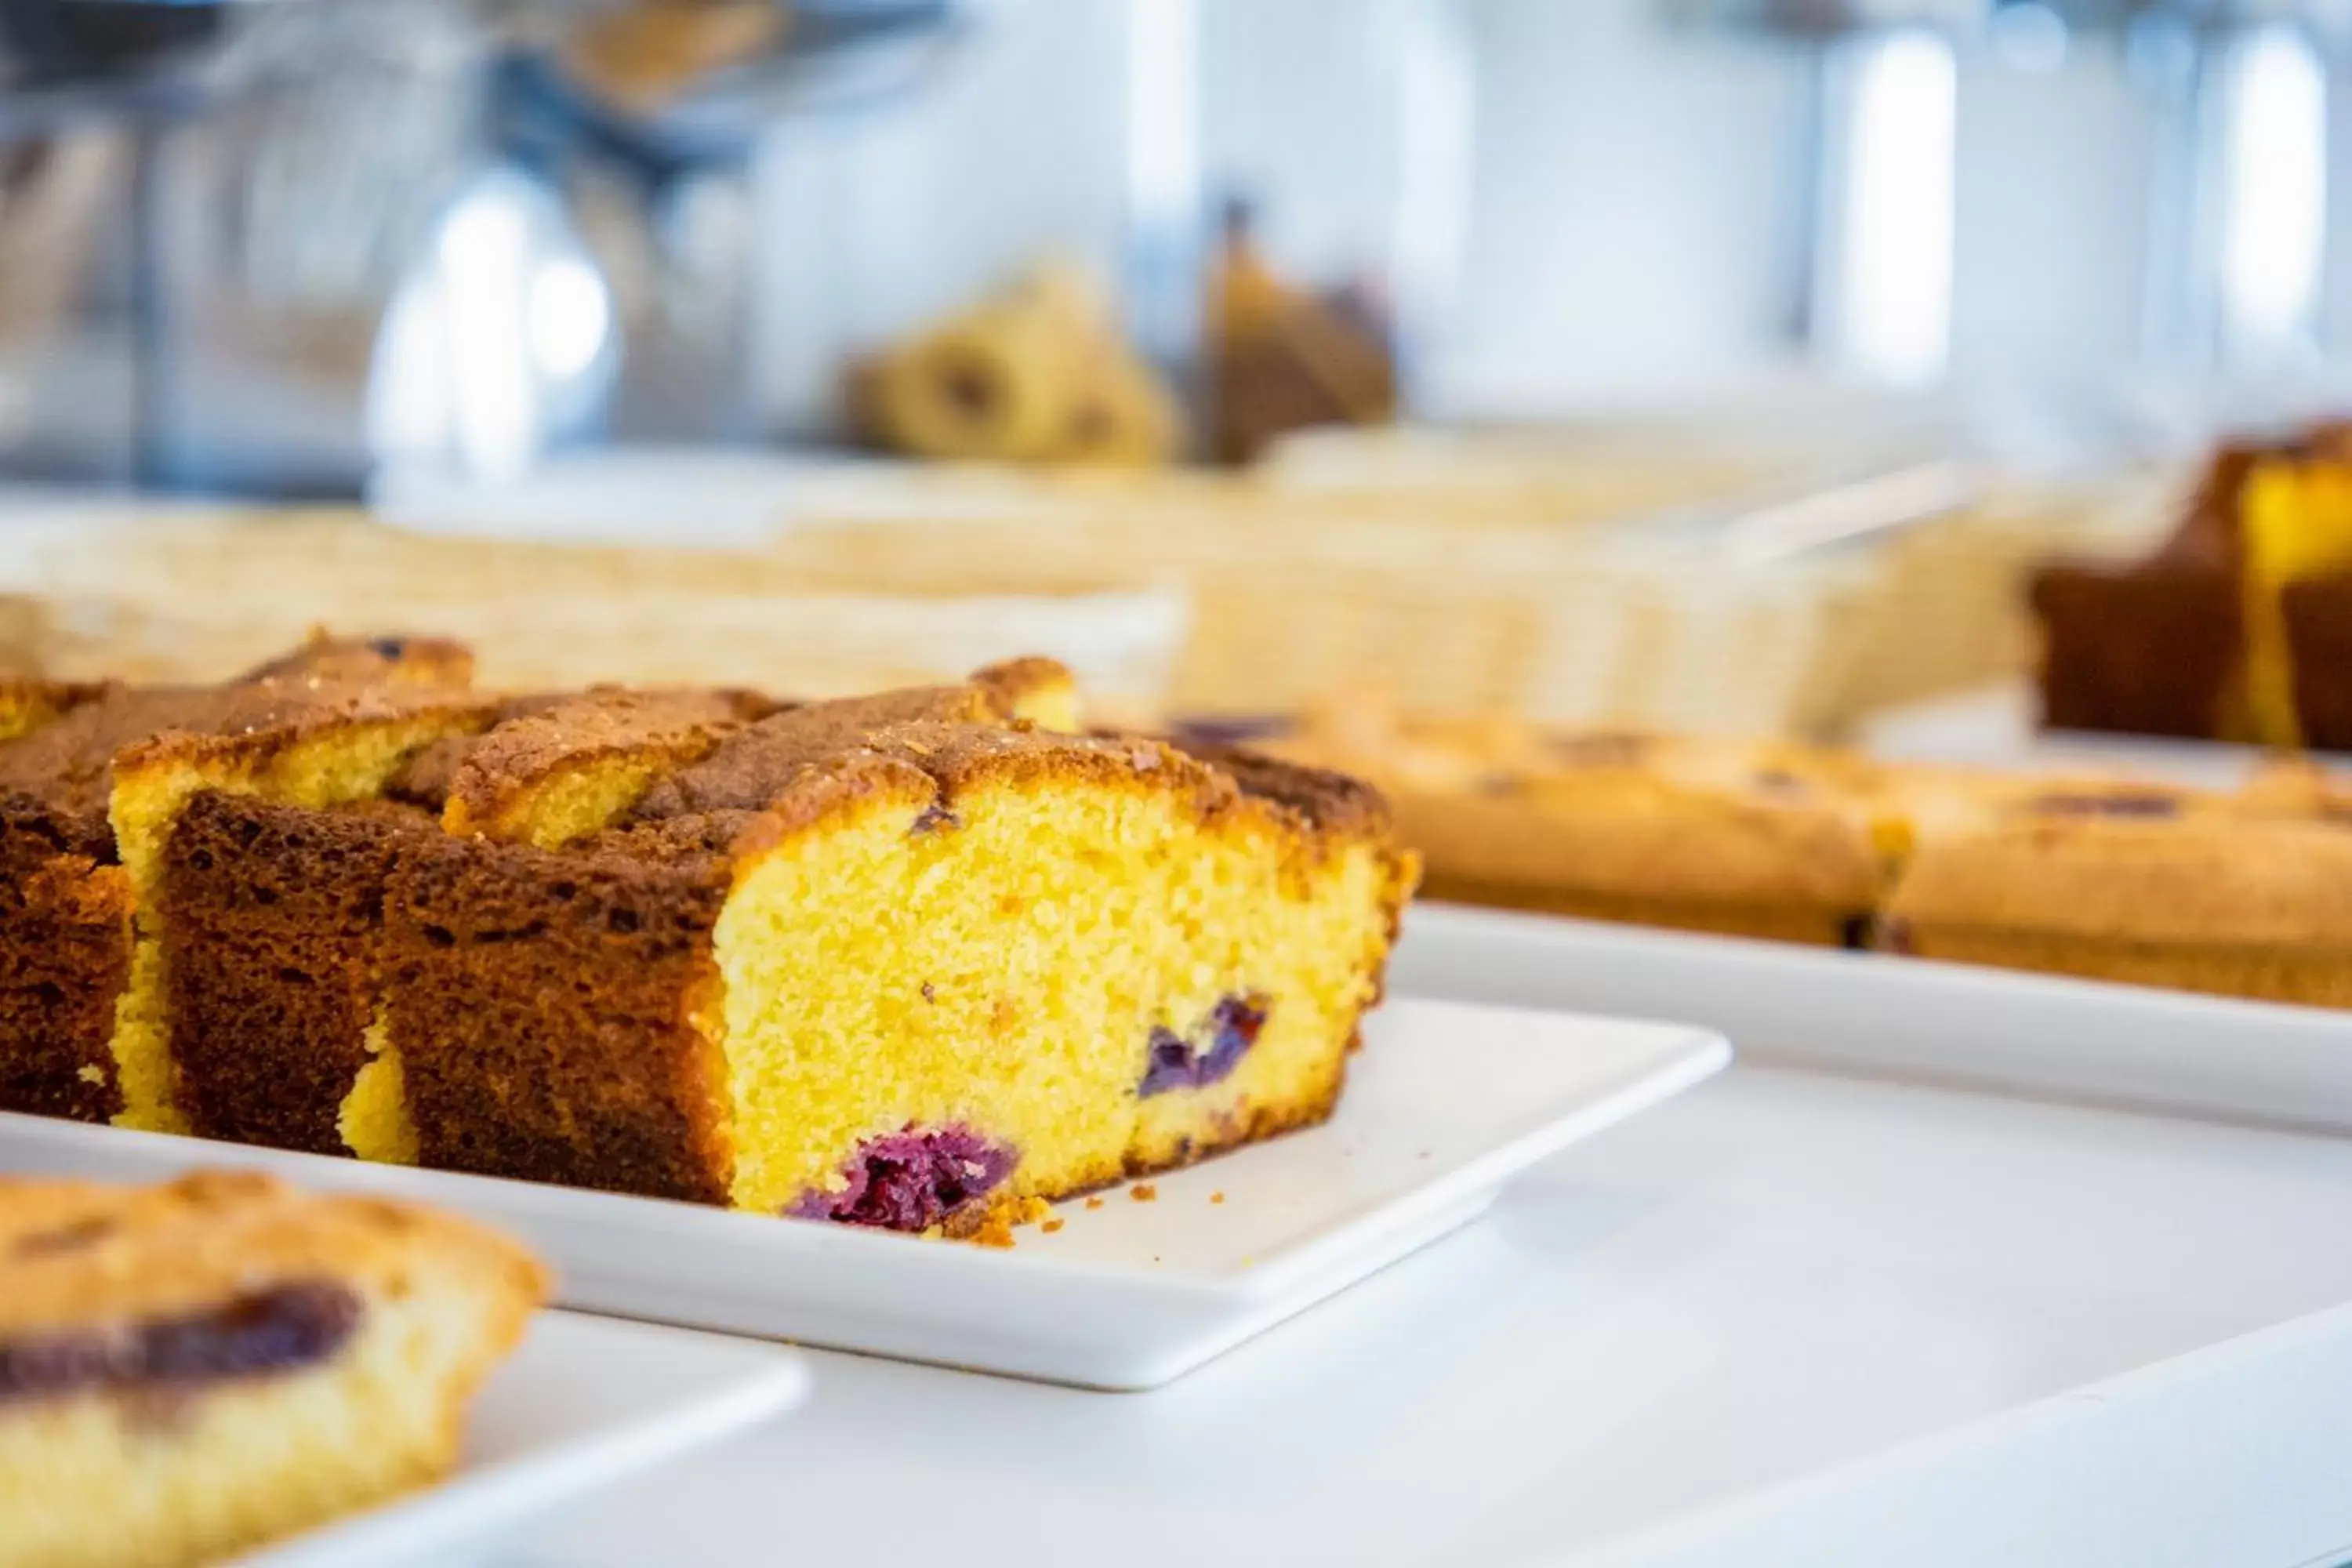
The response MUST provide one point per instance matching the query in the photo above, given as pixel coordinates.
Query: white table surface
(1744, 1299)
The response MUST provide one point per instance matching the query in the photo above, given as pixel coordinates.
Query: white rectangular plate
(1907, 1017)
(585, 1402)
(1445, 1104)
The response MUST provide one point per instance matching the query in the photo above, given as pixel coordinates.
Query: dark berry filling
(1231, 730)
(2142, 805)
(913, 1179)
(1210, 1051)
(936, 818)
(283, 1329)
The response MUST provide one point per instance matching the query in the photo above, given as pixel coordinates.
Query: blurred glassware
(2230, 276)
(336, 218)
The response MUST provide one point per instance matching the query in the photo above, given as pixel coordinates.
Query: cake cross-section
(910, 960)
(92, 780)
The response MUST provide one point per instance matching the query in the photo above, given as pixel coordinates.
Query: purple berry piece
(913, 1179)
(1210, 1051)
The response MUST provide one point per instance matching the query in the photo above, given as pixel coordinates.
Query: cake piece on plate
(1741, 838)
(89, 786)
(908, 961)
(2241, 896)
(190, 1371)
(272, 912)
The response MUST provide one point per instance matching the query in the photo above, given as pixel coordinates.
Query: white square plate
(1445, 1104)
(584, 1403)
(2045, 1035)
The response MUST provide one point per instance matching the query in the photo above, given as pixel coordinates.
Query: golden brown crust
(935, 763)
(1039, 689)
(26, 705)
(82, 1253)
(2210, 878)
(494, 780)
(1614, 815)
(271, 917)
(546, 1006)
(382, 660)
(248, 726)
(2308, 977)
(1811, 924)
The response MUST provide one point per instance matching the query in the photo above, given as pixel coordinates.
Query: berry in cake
(912, 969)
(191, 1371)
(917, 960)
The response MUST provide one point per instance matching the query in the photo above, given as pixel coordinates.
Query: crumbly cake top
(424, 779)
(751, 768)
(524, 748)
(63, 757)
(69, 765)
(1333, 803)
(376, 661)
(791, 768)
(77, 1254)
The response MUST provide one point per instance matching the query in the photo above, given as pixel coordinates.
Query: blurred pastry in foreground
(191, 1370)
(1038, 373)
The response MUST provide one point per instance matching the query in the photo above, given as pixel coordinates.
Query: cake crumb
(1143, 1192)
(1216, 1197)
(1094, 1202)
(1051, 1225)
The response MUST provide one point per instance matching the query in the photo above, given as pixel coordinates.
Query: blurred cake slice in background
(2233, 628)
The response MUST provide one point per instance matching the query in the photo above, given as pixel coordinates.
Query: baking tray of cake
(1128, 1289)
(2039, 1035)
(584, 1402)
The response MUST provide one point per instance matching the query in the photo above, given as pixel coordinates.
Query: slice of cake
(1741, 838)
(2245, 896)
(2151, 649)
(2228, 631)
(272, 912)
(893, 961)
(87, 788)
(191, 1371)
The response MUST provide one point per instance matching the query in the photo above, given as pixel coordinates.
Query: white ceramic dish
(1444, 1105)
(584, 1402)
(1904, 1017)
